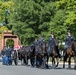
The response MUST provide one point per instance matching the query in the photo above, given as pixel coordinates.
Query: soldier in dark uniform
(69, 39)
(41, 41)
(35, 45)
(52, 42)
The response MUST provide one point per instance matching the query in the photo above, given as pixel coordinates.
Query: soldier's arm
(72, 38)
(65, 40)
(56, 42)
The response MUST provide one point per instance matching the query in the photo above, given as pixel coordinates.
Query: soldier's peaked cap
(69, 31)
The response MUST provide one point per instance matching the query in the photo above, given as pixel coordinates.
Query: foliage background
(30, 18)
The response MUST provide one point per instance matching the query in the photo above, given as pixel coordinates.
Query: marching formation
(40, 51)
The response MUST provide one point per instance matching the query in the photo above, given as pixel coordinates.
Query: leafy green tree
(70, 9)
(3, 29)
(32, 18)
(10, 43)
(57, 25)
(6, 6)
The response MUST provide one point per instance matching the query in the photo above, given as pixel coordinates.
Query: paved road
(24, 70)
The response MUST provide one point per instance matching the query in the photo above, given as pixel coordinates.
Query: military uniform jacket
(41, 41)
(51, 42)
(69, 40)
(35, 43)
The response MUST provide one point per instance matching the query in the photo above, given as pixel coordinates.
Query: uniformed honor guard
(69, 39)
(51, 43)
(35, 43)
(41, 41)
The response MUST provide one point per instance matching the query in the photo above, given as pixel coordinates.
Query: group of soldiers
(53, 41)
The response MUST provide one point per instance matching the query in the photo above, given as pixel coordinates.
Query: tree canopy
(30, 18)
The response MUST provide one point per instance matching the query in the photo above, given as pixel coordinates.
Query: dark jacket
(8, 53)
(69, 40)
(41, 41)
(35, 43)
(51, 42)
(3, 52)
